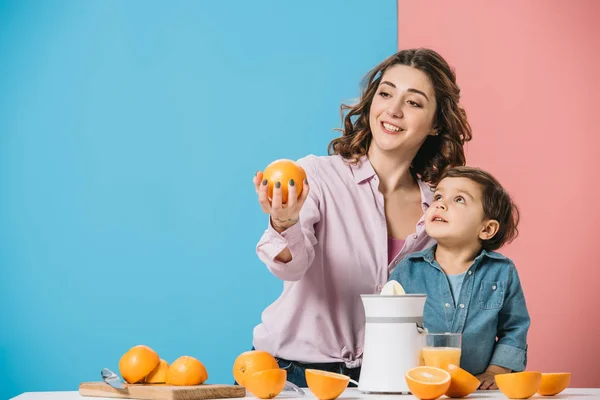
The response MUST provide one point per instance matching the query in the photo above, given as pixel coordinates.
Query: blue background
(130, 132)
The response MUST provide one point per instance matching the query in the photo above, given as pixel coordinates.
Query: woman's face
(403, 110)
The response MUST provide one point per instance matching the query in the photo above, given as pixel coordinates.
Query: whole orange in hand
(137, 363)
(250, 362)
(186, 371)
(282, 171)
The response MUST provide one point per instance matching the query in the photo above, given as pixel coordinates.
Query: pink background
(528, 71)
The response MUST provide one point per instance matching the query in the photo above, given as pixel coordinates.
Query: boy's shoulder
(425, 255)
(496, 258)
(496, 264)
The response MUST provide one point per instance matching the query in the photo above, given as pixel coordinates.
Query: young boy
(470, 288)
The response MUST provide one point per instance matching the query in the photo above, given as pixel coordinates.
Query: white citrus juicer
(394, 337)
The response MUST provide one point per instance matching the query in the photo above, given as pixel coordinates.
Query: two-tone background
(130, 131)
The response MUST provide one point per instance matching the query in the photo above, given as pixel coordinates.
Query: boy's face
(456, 216)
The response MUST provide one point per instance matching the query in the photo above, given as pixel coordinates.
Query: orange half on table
(462, 383)
(519, 385)
(267, 383)
(326, 385)
(554, 383)
(427, 383)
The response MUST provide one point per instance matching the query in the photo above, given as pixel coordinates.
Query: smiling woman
(369, 193)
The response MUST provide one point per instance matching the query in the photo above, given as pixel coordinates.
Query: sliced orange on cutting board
(326, 385)
(137, 363)
(427, 383)
(158, 374)
(186, 371)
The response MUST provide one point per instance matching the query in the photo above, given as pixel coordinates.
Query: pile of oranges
(141, 364)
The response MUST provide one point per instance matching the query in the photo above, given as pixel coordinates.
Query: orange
(326, 385)
(427, 383)
(282, 171)
(519, 385)
(462, 383)
(250, 362)
(138, 362)
(554, 383)
(158, 374)
(267, 383)
(186, 371)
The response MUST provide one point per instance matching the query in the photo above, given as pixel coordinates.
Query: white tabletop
(350, 393)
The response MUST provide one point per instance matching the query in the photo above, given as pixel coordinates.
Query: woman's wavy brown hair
(438, 153)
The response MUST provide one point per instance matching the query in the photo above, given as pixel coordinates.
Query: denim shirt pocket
(491, 295)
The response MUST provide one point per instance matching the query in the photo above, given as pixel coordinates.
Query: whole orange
(250, 362)
(282, 171)
(137, 363)
(186, 371)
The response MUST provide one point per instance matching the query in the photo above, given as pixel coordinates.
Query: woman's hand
(283, 216)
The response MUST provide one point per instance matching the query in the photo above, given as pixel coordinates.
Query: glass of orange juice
(441, 349)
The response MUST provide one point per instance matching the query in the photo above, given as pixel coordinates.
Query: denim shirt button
(470, 272)
(447, 305)
(462, 306)
(494, 287)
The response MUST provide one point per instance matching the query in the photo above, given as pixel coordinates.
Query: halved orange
(326, 385)
(267, 383)
(554, 383)
(252, 361)
(427, 383)
(137, 363)
(158, 374)
(462, 383)
(519, 385)
(186, 371)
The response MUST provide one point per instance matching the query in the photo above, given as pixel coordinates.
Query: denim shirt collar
(429, 255)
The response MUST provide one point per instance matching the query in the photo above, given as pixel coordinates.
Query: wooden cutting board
(161, 392)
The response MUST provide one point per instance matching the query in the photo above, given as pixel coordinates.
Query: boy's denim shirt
(491, 305)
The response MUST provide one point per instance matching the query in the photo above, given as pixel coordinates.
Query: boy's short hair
(497, 205)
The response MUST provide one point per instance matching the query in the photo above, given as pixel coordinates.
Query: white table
(350, 393)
